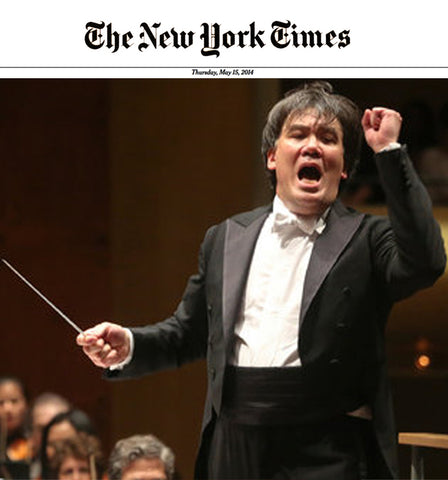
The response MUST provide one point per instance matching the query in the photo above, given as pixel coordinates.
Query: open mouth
(309, 174)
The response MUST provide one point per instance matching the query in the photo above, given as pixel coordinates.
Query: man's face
(144, 469)
(308, 160)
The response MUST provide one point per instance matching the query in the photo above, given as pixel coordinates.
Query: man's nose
(311, 146)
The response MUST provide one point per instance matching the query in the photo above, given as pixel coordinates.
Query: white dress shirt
(266, 334)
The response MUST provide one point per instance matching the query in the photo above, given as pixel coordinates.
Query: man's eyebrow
(324, 127)
(330, 129)
(296, 126)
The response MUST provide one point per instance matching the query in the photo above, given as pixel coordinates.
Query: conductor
(290, 302)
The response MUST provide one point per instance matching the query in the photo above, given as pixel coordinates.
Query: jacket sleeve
(409, 252)
(179, 339)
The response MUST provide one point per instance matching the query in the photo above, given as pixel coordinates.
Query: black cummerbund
(282, 396)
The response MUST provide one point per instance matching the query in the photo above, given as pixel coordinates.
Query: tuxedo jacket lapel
(240, 239)
(341, 226)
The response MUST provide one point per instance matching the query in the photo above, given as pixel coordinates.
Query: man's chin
(308, 206)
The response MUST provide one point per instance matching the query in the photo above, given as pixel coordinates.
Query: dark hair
(320, 97)
(79, 420)
(19, 382)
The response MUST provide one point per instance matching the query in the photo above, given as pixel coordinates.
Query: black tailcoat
(360, 265)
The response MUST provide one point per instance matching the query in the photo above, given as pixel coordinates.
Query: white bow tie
(288, 222)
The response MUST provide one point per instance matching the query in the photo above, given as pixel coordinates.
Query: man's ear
(271, 162)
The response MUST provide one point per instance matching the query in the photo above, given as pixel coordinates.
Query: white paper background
(388, 38)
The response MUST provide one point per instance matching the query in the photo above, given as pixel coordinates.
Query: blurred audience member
(142, 457)
(63, 426)
(77, 458)
(13, 412)
(43, 409)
